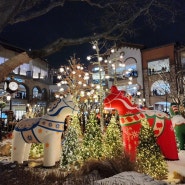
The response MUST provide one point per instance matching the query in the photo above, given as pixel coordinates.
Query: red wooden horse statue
(130, 120)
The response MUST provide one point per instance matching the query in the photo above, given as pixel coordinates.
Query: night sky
(70, 21)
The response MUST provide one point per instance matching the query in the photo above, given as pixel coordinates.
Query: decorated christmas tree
(149, 159)
(71, 155)
(113, 145)
(92, 142)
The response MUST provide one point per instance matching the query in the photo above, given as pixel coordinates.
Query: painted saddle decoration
(130, 120)
(46, 129)
(178, 122)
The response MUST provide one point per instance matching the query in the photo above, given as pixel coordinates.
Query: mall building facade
(139, 75)
(35, 85)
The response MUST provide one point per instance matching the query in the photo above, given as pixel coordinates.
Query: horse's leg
(50, 144)
(58, 147)
(167, 142)
(18, 147)
(27, 151)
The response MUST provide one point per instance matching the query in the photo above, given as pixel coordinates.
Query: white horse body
(46, 129)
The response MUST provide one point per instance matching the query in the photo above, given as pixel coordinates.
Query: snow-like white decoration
(177, 120)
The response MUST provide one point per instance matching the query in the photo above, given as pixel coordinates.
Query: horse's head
(174, 110)
(119, 100)
(63, 106)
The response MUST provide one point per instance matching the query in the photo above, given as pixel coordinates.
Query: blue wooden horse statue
(46, 129)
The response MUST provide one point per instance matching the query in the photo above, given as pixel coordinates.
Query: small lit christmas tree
(149, 159)
(71, 155)
(92, 142)
(113, 145)
(37, 150)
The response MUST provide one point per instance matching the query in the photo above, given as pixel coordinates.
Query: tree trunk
(12, 63)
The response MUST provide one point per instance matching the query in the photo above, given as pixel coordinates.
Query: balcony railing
(154, 72)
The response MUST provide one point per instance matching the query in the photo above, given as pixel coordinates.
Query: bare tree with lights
(75, 79)
(114, 22)
(96, 45)
(171, 84)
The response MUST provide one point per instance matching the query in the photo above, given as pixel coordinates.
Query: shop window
(124, 69)
(2, 60)
(158, 66)
(160, 88)
(130, 89)
(21, 93)
(36, 93)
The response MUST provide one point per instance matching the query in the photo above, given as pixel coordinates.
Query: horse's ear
(114, 89)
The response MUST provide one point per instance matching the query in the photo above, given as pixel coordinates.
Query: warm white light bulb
(107, 76)
(95, 96)
(82, 92)
(61, 89)
(98, 87)
(138, 93)
(121, 65)
(88, 57)
(61, 69)
(8, 97)
(86, 77)
(100, 59)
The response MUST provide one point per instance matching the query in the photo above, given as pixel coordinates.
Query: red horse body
(130, 120)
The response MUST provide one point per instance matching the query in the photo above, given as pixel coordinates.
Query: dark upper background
(70, 21)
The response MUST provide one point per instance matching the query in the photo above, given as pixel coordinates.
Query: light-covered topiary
(113, 144)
